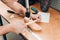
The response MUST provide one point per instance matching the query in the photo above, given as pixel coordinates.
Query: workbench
(50, 31)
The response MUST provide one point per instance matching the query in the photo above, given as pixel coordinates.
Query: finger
(35, 27)
(38, 19)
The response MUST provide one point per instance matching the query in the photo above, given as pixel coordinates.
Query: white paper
(45, 17)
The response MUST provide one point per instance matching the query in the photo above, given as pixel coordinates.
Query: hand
(18, 8)
(33, 26)
(17, 26)
(35, 17)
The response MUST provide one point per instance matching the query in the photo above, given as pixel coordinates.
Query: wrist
(10, 28)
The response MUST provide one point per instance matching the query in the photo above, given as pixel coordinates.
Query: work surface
(50, 31)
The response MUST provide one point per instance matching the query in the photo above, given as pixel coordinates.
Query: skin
(14, 27)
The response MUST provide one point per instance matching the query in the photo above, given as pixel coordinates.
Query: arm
(15, 27)
(18, 8)
(5, 29)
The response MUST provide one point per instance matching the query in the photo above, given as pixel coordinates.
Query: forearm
(5, 29)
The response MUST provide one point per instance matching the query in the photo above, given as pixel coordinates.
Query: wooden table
(50, 31)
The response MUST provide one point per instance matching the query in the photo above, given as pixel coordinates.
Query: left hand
(35, 17)
(17, 26)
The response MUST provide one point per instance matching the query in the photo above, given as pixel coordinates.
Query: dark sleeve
(1, 21)
(22, 2)
(31, 2)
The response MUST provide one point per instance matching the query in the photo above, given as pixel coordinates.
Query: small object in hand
(12, 16)
(28, 14)
(10, 11)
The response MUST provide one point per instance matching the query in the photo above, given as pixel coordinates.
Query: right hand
(35, 17)
(33, 26)
(17, 26)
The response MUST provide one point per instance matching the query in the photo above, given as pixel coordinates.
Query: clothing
(0, 21)
(31, 2)
(44, 4)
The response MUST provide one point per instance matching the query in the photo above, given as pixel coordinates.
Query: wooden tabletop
(50, 31)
